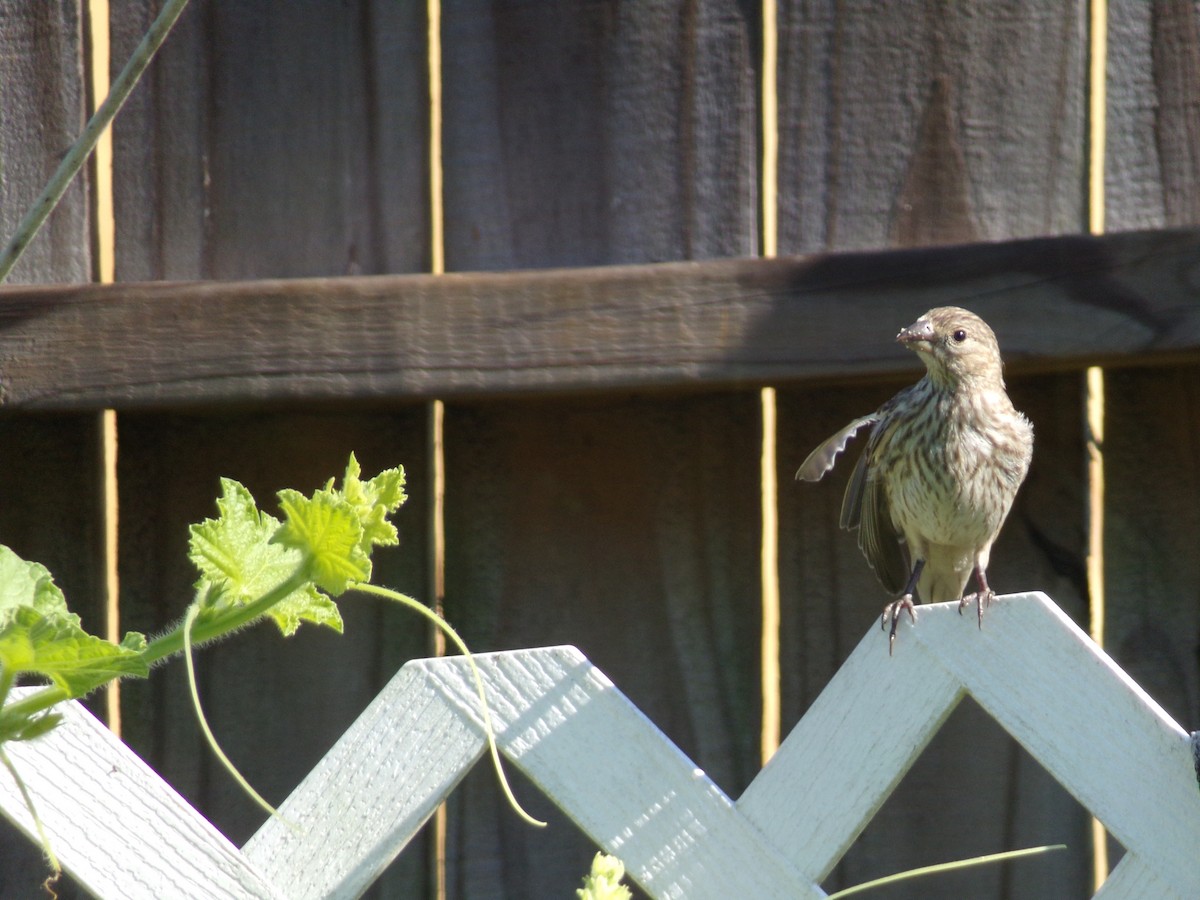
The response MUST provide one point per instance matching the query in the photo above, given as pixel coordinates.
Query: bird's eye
(959, 336)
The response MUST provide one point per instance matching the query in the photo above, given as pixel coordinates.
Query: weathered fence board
(599, 133)
(266, 143)
(44, 109)
(270, 143)
(1151, 167)
(905, 125)
(1055, 303)
(1152, 462)
(638, 509)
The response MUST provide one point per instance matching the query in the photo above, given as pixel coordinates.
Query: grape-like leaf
(30, 584)
(373, 502)
(327, 530)
(39, 635)
(306, 605)
(56, 647)
(240, 561)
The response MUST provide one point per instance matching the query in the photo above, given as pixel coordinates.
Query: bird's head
(956, 346)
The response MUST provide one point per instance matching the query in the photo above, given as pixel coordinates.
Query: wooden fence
(603, 426)
(125, 834)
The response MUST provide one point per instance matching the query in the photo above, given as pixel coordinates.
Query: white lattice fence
(124, 833)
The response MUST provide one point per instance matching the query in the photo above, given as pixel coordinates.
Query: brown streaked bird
(941, 468)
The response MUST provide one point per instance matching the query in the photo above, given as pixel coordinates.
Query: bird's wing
(822, 459)
(865, 507)
(877, 535)
(852, 500)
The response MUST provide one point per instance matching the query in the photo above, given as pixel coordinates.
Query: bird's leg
(981, 597)
(892, 610)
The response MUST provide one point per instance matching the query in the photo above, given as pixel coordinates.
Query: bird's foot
(891, 613)
(981, 599)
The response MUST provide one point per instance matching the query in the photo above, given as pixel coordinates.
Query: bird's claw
(981, 599)
(892, 612)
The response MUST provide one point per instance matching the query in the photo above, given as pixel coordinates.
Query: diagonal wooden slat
(1134, 878)
(571, 731)
(370, 794)
(119, 829)
(1055, 303)
(1087, 722)
(850, 750)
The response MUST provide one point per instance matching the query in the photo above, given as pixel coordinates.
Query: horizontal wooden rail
(1056, 303)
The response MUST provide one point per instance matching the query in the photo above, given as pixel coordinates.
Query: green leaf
(603, 882)
(27, 584)
(134, 641)
(38, 634)
(374, 501)
(305, 605)
(56, 647)
(325, 528)
(240, 561)
(234, 551)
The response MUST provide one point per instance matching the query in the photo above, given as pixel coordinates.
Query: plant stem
(485, 714)
(36, 702)
(82, 149)
(229, 621)
(1006, 856)
(7, 676)
(172, 642)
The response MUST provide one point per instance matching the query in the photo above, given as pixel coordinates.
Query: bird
(943, 463)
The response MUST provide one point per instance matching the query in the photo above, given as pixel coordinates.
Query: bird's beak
(919, 333)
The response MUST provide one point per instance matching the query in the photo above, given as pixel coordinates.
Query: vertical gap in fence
(769, 740)
(1094, 387)
(104, 265)
(436, 409)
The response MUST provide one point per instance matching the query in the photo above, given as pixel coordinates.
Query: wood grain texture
(274, 139)
(286, 140)
(914, 125)
(929, 122)
(1058, 303)
(44, 111)
(1152, 466)
(628, 526)
(1093, 728)
(114, 823)
(562, 721)
(599, 133)
(1039, 676)
(1152, 170)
